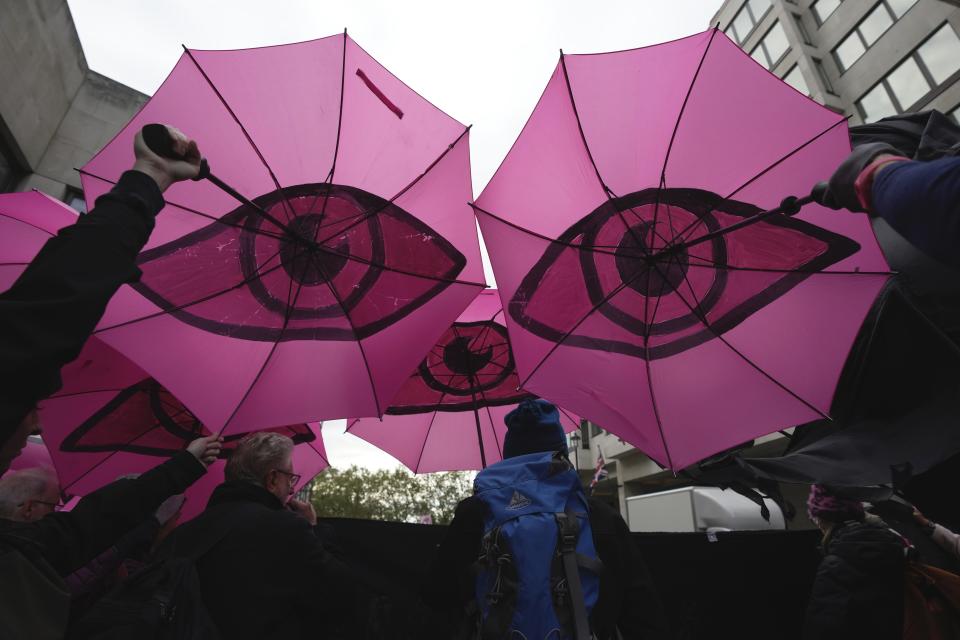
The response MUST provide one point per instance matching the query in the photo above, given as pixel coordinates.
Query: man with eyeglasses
(268, 574)
(29, 494)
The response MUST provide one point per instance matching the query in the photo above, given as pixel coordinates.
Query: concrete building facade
(55, 113)
(866, 59)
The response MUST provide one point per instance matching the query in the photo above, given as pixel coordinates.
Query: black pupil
(305, 262)
(459, 358)
(651, 279)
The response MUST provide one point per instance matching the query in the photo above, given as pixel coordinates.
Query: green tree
(396, 495)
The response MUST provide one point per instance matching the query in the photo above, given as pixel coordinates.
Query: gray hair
(18, 487)
(256, 455)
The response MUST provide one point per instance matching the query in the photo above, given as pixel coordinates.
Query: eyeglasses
(294, 477)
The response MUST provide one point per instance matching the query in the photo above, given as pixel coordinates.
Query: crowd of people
(256, 564)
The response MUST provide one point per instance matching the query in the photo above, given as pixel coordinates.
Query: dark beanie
(533, 427)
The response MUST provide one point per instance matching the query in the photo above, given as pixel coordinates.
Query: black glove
(840, 193)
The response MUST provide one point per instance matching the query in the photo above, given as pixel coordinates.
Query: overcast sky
(484, 62)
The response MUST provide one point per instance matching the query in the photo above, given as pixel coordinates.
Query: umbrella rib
(196, 212)
(257, 274)
(85, 392)
(109, 456)
(29, 224)
(676, 125)
(243, 129)
(402, 191)
(603, 185)
(690, 227)
(647, 328)
(426, 436)
(702, 318)
(716, 265)
(486, 406)
(288, 312)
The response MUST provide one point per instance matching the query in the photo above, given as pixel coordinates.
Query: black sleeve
(629, 601)
(69, 540)
(449, 584)
(49, 312)
(827, 609)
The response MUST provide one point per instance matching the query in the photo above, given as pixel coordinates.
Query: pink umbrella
(35, 454)
(449, 414)
(111, 419)
(631, 297)
(27, 220)
(356, 250)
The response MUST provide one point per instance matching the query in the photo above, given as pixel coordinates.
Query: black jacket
(62, 542)
(52, 308)
(858, 589)
(628, 600)
(271, 576)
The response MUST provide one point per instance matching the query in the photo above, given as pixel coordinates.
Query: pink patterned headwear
(823, 504)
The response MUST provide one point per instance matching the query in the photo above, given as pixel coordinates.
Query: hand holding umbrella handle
(158, 139)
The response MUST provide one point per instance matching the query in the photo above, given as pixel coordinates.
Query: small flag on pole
(600, 473)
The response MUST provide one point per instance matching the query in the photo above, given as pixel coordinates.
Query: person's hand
(206, 449)
(921, 519)
(169, 509)
(303, 509)
(842, 192)
(166, 171)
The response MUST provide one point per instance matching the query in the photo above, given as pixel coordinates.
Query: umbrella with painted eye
(449, 414)
(346, 248)
(642, 285)
(111, 419)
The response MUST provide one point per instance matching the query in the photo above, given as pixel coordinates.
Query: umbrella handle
(158, 139)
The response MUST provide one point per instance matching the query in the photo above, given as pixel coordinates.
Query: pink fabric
(248, 328)
(710, 345)
(27, 220)
(456, 400)
(111, 419)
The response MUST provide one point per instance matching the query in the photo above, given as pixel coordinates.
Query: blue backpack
(538, 572)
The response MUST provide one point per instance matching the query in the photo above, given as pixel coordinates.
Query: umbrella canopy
(620, 306)
(111, 419)
(449, 415)
(27, 220)
(34, 454)
(367, 253)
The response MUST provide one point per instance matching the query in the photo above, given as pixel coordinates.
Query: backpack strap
(569, 531)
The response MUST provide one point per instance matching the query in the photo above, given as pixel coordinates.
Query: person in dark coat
(906, 170)
(270, 576)
(628, 603)
(35, 556)
(858, 591)
(50, 311)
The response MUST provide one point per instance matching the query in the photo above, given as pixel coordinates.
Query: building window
(822, 73)
(928, 67)
(746, 19)
(794, 78)
(868, 31)
(772, 48)
(823, 9)
(76, 200)
(802, 29)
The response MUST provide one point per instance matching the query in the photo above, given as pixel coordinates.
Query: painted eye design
(145, 418)
(616, 261)
(470, 366)
(351, 264)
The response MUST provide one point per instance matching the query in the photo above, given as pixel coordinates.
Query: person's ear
(27, 509)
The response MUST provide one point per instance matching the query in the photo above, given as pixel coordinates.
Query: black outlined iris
(471, 366)
(616, 264)
(147, 419)
(347, 265)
